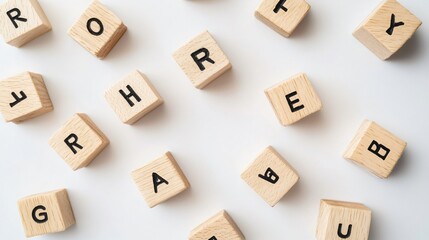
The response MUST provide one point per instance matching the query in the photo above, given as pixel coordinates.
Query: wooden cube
(375, 148)
(202, 60)
(46, 213)
(133, 97)
(22, 21)
(24, 97)
(98, 30)
(283, 16)
(343, 220)
(387, 29)
(293, 99)
(79, 141)
(160, 180)
(270, 176)
(219, 227)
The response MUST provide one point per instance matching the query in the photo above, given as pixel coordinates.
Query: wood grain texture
(219, 227)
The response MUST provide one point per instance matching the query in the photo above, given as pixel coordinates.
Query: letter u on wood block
(219, 227)
(343, 220)
(79, 141)
(375, 148)
(46, 213)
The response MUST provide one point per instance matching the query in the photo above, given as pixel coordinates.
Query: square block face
(160, 180)
(22, 21)
(133, 97)
(270, 176)
(98, 30)
(293, 99)
(219, 227)
(282, 15)
(23, 97)
(375, 148)
(343, 220)
(202, 60)
(46, 213)
(387, 29)
(79, 141)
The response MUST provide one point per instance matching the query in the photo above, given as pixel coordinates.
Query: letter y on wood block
(219, 227)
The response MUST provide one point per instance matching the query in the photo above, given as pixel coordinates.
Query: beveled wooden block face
(293, 99)
(270, 176)
(343, 220)
(46, 213)
(24, 97)
(283, 16)
(202, 60)
(375, 148)
(160, 180)
(219, 227)
(79, 141)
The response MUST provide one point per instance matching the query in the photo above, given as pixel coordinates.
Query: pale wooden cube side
(219, 227)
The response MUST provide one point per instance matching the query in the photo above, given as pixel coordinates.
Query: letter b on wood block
(219, 227)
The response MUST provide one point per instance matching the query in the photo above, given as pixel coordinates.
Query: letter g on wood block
(219, 227)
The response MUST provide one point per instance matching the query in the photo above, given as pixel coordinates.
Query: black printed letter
(393, 24)
(72, 143)
(292, 102)
(44, 215)
(99, 23)
(340, 232)
(131, 94)
(16, 17)
(213, 238)
(157, 180)
(17, 99)
(269, 176)
(280, 6)
(199, 61)
(377, 149)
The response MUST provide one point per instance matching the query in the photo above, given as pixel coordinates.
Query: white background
(216, 132)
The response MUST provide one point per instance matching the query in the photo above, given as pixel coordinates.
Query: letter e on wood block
(160, 180)
(375, 148)
(270, 176)
(387, 29)
(79, 141)
(202, 60)
(46, 213)
(98, 30)
(343, 220)
(24, 97)
(219, 227)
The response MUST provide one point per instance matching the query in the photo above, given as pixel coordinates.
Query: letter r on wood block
(220, 226)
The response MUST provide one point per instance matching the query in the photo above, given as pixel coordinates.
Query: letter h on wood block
(219, 227)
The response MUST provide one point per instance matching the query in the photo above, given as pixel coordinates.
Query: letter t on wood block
(219, 227)
(375, 148)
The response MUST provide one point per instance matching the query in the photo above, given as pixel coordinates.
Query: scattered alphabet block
(219, 227)
(46, 213)
(133, 97)
(98, 29)
(202, 60)
(293, 99)
(343, 220)
(160, 180)
(375, 148)
(387, 29)
(24, 97)
(270, 176)
(283, 16)
(22, 21)
(79, 141)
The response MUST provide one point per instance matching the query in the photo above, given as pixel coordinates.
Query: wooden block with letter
(343, 220)
(133, 97)
(293, 99)
(270, 175)
(219, 227)
(160, 180)
(79, 141)
(23, 97)
(22, 21)
(98, 29)
(283, 16)
(387, 29)
(202, 60)
(375, 148)
(46, 213)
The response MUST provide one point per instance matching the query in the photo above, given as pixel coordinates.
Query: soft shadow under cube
(219, 227)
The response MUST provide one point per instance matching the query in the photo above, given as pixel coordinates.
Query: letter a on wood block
(160, 180)
(219, 227)
(79, 141)
(387, 29)
(22, 21)
(375, 148)
(23, 97)
(343, 220)
(133, 97)
(98, 30)
(46, 213)
(202, 60)
(270, 176)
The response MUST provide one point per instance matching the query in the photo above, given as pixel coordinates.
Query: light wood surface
(219, 227)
